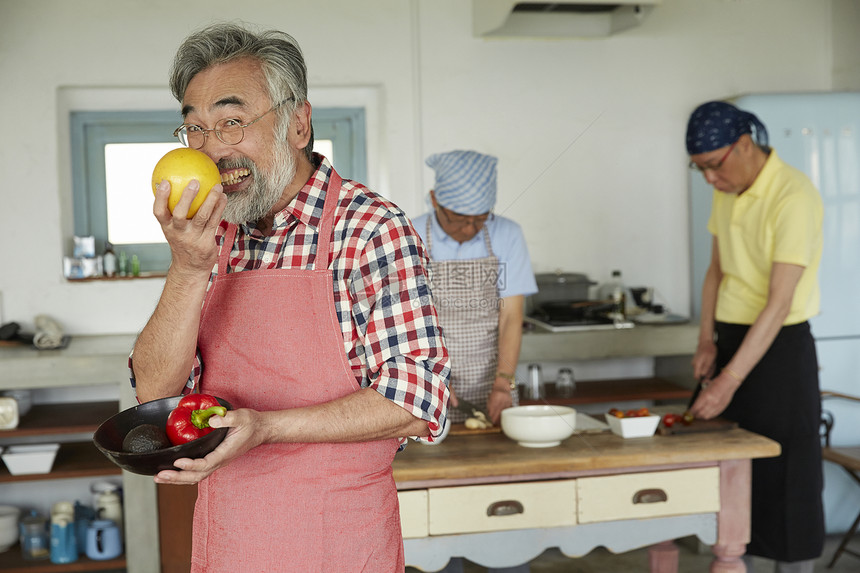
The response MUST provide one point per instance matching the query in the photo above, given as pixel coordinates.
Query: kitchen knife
(471, 410)
(696, 392)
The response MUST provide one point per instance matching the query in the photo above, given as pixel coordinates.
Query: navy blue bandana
(717, 124)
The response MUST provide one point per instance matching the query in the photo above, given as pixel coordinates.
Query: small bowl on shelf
(30, 459)
(110, 434)
(538, 426)
(633, 427)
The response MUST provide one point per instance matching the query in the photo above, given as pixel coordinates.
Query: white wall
(589, 132)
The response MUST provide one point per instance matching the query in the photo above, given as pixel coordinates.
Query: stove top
(576, 325)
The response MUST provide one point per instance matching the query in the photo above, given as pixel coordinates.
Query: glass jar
(534, 389)
(565, 383)
(35, 538)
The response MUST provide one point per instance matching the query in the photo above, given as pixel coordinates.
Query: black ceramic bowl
(109, 436)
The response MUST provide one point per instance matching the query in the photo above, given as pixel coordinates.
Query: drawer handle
(507, 507)
(650, 496)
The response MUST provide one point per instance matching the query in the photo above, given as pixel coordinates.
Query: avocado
(145, 438)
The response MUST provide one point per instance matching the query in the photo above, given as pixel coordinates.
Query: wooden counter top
(496, 458)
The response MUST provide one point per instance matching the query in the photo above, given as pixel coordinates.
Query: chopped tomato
(670, 419)
(688, 418)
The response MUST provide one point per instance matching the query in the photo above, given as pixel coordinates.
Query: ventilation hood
(582, 18)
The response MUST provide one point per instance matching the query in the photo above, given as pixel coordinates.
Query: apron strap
(332, 195)
(226, 248)
(487, 242)
(430, 237)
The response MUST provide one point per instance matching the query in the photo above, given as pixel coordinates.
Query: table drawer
(502, 506)
(651, 494)
(413, 513)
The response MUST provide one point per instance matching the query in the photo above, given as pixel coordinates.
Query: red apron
(270, 340)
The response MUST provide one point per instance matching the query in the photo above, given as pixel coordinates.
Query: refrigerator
(818, 133)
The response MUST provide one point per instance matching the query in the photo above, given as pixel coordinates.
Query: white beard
(252, 204)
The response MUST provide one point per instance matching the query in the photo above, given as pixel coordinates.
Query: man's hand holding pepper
(361, 416)
(247, 430)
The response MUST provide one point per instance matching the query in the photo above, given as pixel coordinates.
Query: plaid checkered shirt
(390, 329)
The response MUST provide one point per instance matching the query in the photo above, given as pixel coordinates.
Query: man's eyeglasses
(458, 220)
(714, 167)
(229, 130)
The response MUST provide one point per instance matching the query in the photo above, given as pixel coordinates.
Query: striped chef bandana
(465, 181)
(716, 124)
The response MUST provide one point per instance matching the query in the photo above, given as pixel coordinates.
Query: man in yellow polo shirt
(756, 354)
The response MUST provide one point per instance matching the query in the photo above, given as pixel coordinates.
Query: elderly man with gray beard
(303, 300)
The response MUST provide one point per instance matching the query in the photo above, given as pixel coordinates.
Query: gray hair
(278, 53)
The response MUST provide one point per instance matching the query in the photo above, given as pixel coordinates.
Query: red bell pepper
(190, 419)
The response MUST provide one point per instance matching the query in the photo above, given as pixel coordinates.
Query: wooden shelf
(74, 460)
(11, 561)
(70, 418)
(142, 275)
(625, 390)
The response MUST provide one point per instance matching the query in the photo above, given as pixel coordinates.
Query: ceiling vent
(582, 19)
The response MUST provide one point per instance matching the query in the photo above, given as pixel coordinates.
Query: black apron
(780, 399)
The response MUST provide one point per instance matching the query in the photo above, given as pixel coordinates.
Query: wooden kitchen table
(499, 504)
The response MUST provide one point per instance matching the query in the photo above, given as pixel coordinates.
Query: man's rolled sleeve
(190, 384)
(406, 360)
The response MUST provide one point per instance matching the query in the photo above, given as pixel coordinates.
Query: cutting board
(462, 430)
(715, 425)
(585, 424)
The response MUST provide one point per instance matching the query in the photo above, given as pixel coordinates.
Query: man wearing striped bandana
(480, 272)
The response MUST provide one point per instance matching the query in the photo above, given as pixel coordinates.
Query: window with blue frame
(113, 154)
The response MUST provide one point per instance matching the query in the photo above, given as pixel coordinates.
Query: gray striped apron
(466, 296)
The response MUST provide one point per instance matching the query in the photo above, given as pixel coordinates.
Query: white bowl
(639, 427)
(33, 459)
(9, 515)
(538, 426)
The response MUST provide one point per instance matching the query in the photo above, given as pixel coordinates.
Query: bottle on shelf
(109, 260)
(614, 291)
(64, 545)
(122, 263)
